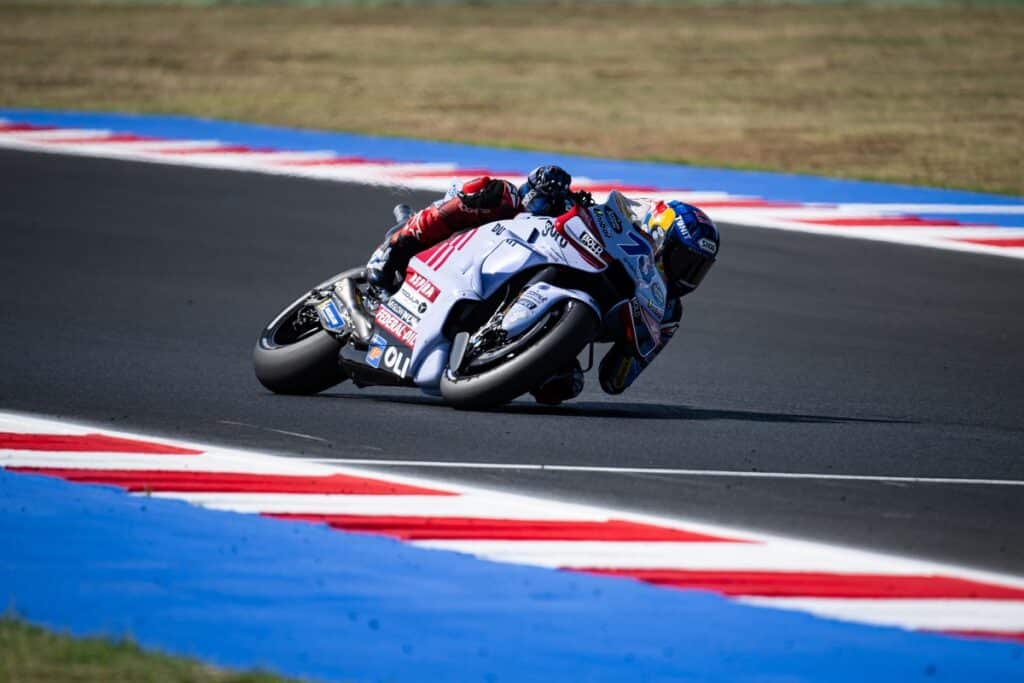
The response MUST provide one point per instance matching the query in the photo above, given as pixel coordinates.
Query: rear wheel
(294, 355)
(501, 374)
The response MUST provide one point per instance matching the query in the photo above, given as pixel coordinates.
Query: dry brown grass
(930, 95)
(29, 654)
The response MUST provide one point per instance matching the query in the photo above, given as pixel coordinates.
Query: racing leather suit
(481, 200)
(484, 200)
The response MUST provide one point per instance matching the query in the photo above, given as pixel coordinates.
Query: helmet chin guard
(688, 240)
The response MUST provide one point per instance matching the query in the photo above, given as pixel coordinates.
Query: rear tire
(549, 354)
(303, 367)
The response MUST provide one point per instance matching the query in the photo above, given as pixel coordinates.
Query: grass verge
(924, 95)
(29, 654)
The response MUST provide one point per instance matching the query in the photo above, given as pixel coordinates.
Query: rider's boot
(390, 259)
(562, 386)
(386, 260)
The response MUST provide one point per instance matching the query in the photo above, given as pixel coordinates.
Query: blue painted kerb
(776, 186)
(242, 590)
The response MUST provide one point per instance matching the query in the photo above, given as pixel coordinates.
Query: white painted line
(710, 556)
(939, 615)
(445, 464)
(299, 435)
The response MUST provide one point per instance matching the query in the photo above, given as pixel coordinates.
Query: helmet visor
(685, 268)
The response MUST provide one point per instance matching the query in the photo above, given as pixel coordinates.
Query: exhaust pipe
(349, 295)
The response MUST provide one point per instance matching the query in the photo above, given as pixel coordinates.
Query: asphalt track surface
(132, 295)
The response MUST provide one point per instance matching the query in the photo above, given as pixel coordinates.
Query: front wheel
(563, 334)
(294, 355)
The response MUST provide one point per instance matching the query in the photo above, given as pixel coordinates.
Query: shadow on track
(637, 411)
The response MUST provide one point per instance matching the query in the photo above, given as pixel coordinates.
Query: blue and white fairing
(474, 264)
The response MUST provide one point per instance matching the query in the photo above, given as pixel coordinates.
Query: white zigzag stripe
(738, 550)
(425, 176)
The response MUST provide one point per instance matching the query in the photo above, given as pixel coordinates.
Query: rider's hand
(482, 193)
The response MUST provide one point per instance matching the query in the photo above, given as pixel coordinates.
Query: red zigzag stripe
(232, 482)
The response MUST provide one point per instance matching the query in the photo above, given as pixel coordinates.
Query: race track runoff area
(820, 481)
(405, 598)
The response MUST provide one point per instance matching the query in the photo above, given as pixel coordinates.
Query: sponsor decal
(591, 243)
(549, 231)
(394, 326)
(600, 217)
(422, 285)
(330, 316)
(531, 298)
(414, 300)
(616, 222)
(396, 361)
(708, 245)
(636, 246)
(524, 307)
(376, 351)
(607, 220)
(497, 228)
(407, 316)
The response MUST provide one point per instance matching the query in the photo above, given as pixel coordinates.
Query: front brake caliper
(487, 337)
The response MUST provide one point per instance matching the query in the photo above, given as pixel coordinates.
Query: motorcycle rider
(546, 192)
(686, 243)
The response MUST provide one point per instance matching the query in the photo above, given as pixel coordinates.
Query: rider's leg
(481, 201)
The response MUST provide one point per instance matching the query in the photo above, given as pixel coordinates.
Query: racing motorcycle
(480, 318)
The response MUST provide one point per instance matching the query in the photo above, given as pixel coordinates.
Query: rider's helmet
(546, 191)
(687, 243)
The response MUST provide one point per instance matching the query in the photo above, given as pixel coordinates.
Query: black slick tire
(553, 351)
(304, 367)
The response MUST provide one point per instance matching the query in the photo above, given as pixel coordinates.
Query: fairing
(474, 264)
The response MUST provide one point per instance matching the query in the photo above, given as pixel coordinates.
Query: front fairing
(640, 317)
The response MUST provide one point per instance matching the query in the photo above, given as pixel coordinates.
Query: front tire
(304, 365)
(558, 346)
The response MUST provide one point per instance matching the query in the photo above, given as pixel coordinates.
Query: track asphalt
(132, 295)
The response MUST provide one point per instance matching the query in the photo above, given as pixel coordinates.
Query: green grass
(930, 95)
(29, 654)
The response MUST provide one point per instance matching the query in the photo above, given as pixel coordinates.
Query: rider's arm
(620, 366)
(480, 201)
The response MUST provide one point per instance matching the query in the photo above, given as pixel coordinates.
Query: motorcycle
(481, 318)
